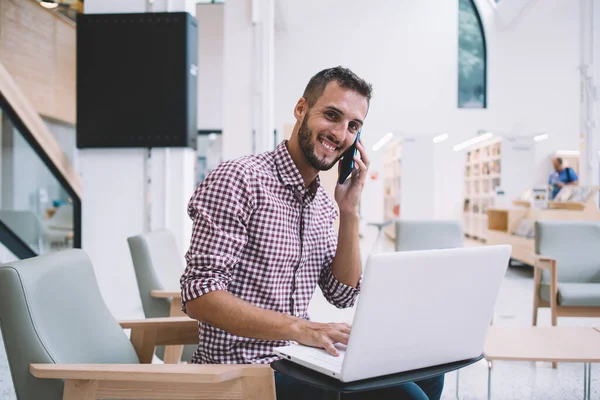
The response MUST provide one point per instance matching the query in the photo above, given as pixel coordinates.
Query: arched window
(472, 80)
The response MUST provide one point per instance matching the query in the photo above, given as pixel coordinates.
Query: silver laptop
(416, 309)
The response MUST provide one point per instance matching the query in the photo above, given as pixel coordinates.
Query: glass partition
(34, 205)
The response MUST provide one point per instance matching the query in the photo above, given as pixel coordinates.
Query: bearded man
(263, 239)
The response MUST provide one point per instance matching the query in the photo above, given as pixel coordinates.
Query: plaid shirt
(261, 235)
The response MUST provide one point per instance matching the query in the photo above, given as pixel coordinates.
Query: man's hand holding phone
(354, 165)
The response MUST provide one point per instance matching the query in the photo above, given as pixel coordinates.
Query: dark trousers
(427, 389)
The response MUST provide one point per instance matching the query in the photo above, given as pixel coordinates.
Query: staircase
(40, 192)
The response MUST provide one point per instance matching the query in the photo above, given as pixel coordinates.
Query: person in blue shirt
(561, 176)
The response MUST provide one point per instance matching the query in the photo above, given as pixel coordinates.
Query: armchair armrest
(545, 263)
(157, 381)
(180, 373)
(160, 323)
(165, 294)
(146, 334)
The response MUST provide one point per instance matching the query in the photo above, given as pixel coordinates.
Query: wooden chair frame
(160, 381)
(550, 264)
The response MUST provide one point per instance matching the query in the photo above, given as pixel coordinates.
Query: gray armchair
(62, 342)
(158, 263)
(428, 235)
(567, 269)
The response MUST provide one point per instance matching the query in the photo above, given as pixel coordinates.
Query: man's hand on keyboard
(321, 335)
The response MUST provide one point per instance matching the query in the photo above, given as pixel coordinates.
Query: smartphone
(348, 161)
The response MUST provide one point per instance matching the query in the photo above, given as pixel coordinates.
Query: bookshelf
(392, 184)
(496, 169)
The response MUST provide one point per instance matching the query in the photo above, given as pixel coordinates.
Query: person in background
(561, 176)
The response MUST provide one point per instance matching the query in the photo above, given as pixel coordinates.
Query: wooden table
(544, 344)
(172, 353)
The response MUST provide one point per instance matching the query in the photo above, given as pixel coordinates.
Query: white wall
(237, 79)
(210, 65)
(534, 76)
(418, 154)
(106, 6)
(408, 50)
(113, 208)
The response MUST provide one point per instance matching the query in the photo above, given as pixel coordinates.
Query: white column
(263, 15)
(588, 148)
(248, 77)
(114, 204)
(595, 70)
(237, 79)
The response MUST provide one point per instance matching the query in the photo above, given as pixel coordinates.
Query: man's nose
(339, 134)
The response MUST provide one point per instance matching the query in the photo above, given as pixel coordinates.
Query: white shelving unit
(497, 171)
(392, 184)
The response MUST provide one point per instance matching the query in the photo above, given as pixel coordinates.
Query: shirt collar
(289, 174)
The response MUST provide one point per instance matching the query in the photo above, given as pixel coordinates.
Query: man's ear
(300, 109)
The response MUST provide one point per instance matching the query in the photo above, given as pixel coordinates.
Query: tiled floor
(510, 380)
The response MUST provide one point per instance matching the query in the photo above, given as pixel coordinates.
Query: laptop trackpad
(317, 356)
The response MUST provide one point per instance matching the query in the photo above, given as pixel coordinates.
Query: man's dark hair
(343, 76)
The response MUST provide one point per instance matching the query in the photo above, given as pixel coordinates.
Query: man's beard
(308, 147)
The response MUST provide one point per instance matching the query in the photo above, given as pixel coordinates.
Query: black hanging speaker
(136, 80)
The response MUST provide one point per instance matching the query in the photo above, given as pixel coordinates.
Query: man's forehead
(346, 100)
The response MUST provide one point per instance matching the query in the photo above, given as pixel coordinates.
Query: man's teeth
(328, 147)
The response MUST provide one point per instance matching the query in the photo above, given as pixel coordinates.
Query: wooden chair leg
(80, 390)
(554, 307)
(143, 342)
(554, 322)
(258, 388)
(537, 277)
(173, 354)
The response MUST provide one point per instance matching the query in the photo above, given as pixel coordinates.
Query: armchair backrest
(428, 235)
(575, 245)
(51, 311)
(157, 265)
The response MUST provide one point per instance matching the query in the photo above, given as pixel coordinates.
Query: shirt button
(299, 187)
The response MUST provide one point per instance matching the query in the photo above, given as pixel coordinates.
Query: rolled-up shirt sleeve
(220, 209)
(336, 292)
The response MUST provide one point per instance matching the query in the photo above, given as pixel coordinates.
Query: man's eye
(354, 126)
(330, 114)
